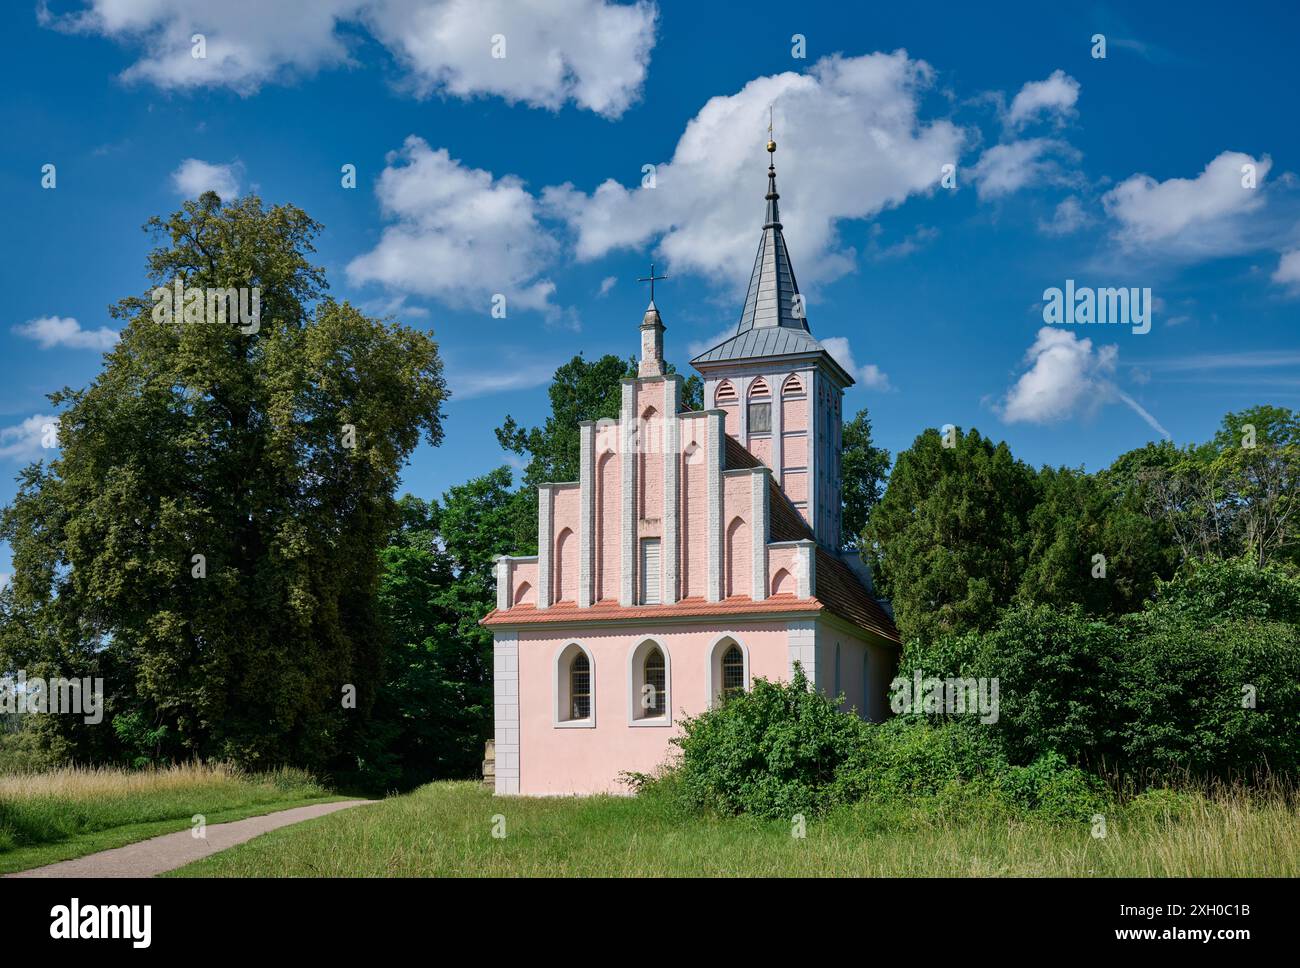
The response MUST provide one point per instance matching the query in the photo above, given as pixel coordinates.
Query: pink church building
(697, 550)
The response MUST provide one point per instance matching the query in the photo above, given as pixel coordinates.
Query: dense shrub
(782, 750)
(1219, 591)
(774, 751)
(1056, 674)
(1186, 688)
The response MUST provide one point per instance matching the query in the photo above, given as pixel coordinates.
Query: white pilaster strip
(814, 441)
(715, 457)
(802, 649)
(505, 688)
(742, 399)
(806, 568)
(503, 583)
(629, 441)
(671, 444)
(759, 531)
(778, 426)
(545, 541)
(587, 514)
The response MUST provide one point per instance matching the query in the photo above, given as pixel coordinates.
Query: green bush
(1186, 689)
(1053, 789)
(1056, 673)
(1164, 806)
(908, 757)
(1215, 591)
(780, 750)
(774, 751)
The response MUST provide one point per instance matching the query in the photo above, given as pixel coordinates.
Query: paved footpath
(170, 851)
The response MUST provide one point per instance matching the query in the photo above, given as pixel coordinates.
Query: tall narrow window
(650, 571)
(580, 687)
(655, 685)
(733, 671)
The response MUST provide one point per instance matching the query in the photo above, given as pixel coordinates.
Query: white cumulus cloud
(22, 442)
(459, 234)
(592, 52)
(1006, 168)
(1287, 272)
(194, 177)
(870, 376)
(1068, 217)
(1066, 378)
(1202, 214)
(52, 331)
(1055, 96)
(851, 142)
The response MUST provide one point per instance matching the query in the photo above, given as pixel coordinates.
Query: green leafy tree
(949, 539)
(435, 707)
(273, 455)
(1092, 545)
(864, 468)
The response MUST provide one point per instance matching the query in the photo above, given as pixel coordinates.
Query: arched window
(655, 688)
(739, 559)
(783, 583)
(733, 671)
(728, 669)
(580, 687)
(793, 386)
(866, 685)
(575, 687)
(649, 680)
(566, 567)
(760, 407)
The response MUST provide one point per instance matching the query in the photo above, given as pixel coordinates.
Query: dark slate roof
(767, 341)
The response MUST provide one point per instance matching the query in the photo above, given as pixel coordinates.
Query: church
(697, 551)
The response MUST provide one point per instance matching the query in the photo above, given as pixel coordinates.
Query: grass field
(62, 814)
(445, 830)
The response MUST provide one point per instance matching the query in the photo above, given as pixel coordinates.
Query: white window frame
(645, 589)
(636, 679)
(561, 692)
(714, 668)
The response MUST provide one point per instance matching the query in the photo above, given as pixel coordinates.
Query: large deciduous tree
(864, 468)
(208, 538)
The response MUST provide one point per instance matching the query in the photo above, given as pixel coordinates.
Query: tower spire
(773, 299)
(773, 219)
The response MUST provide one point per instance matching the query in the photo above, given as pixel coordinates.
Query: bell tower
(781, 392)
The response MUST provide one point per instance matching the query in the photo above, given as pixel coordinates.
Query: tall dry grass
(46, 807)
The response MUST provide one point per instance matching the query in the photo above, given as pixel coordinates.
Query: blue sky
(522, 175)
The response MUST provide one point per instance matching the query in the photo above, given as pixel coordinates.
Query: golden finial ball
(771, 146)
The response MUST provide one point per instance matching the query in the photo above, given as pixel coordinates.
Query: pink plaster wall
(733, 419)
(609, 525)
(737, 529)
(868, 696)
(794, 416)
(567, 760)
(794, 450)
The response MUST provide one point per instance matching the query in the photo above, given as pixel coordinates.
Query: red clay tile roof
(568, 612)
(841, 592)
